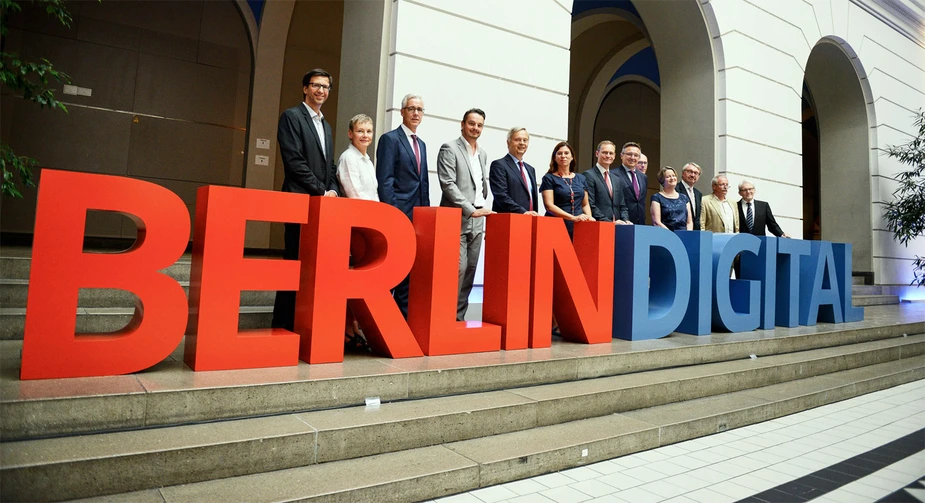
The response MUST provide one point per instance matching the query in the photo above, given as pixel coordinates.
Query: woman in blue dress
(670, 209)
(565, 194)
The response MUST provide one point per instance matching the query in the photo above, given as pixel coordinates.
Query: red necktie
(609, 186)
(417, 152)
(523, 173)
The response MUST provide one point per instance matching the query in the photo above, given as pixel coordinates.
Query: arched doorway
(167, 93)
(655, 50)
(838, 96)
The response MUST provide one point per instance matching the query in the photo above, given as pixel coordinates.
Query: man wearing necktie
(634, 184)
(755, 216)
(513, 181)
(689, 176)
(401, 169)
(605, 192)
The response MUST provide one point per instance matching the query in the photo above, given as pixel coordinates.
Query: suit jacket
(636, 207)
(507, 186)
(400, 184)
(604, 206)
(306, 169)
(455, 176)
(764, 219)
(698, 205)
(711, 217)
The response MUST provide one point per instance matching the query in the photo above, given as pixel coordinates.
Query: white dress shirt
(357, 175)
(317, 119)
(475, 166)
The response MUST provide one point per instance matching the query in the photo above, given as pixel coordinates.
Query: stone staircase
(375, 429)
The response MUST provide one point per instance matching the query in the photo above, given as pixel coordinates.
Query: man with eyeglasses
(718, 213)
(689, 176)
(401, 169)
(634, 183)
(755, 216)
(306, 147)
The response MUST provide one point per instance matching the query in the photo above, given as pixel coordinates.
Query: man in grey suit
(462, 169)
(306, 147)
(605, 194)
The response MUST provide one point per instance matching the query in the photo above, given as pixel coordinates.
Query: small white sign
(262, 160)
(84, 91)
(69, 89)
(263, 143)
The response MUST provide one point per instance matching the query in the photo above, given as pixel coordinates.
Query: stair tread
(511, 456)
(517, 406)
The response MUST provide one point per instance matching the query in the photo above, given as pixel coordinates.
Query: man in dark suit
(755, 216)
(634, 183)
(401, 170)
(605, 192)
(306, 146)
(689, 176)
(513, 182)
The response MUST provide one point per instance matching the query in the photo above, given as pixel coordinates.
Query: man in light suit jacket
(306, 147)
(605, 192)
(689, 176)
(513, 181)
(462, 169)
(760, 211)
(401, 170)
(633, 182)
(719, 214)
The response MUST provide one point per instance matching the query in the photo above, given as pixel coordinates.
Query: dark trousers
(284, 306)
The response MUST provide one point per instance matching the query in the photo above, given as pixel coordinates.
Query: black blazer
(764, 219)
(604, 207)
(636, 207)
(508, 189)
(698, 204)
(306, 169)
(400, 184)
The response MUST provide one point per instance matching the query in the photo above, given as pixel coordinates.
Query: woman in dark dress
(565, 194)
(670, 209)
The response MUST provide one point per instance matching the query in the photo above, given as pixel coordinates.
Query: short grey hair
(716, 179)
(359, 119)
(693, 165)
(404, 101)
(514, 130)
(742, 184)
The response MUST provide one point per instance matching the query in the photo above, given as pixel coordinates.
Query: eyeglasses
(318, 86)
(414, 110)
(723, 185)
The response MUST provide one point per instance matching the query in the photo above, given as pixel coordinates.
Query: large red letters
(219, 272)
(60, 268)
(435, 286)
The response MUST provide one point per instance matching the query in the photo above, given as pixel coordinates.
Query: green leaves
(905, 216)
(31, 79)
(14, 165)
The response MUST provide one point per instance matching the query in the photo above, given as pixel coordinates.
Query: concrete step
(112, 319)
(90, 465)
(170, 394)
(13, 295)
(866, 290)
(56, 469)
(874, 300)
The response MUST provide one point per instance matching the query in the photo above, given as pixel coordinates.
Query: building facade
(796, 96)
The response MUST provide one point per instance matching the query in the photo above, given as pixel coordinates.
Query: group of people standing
(400, 178)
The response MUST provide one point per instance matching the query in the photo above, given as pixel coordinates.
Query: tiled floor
(749, 461)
